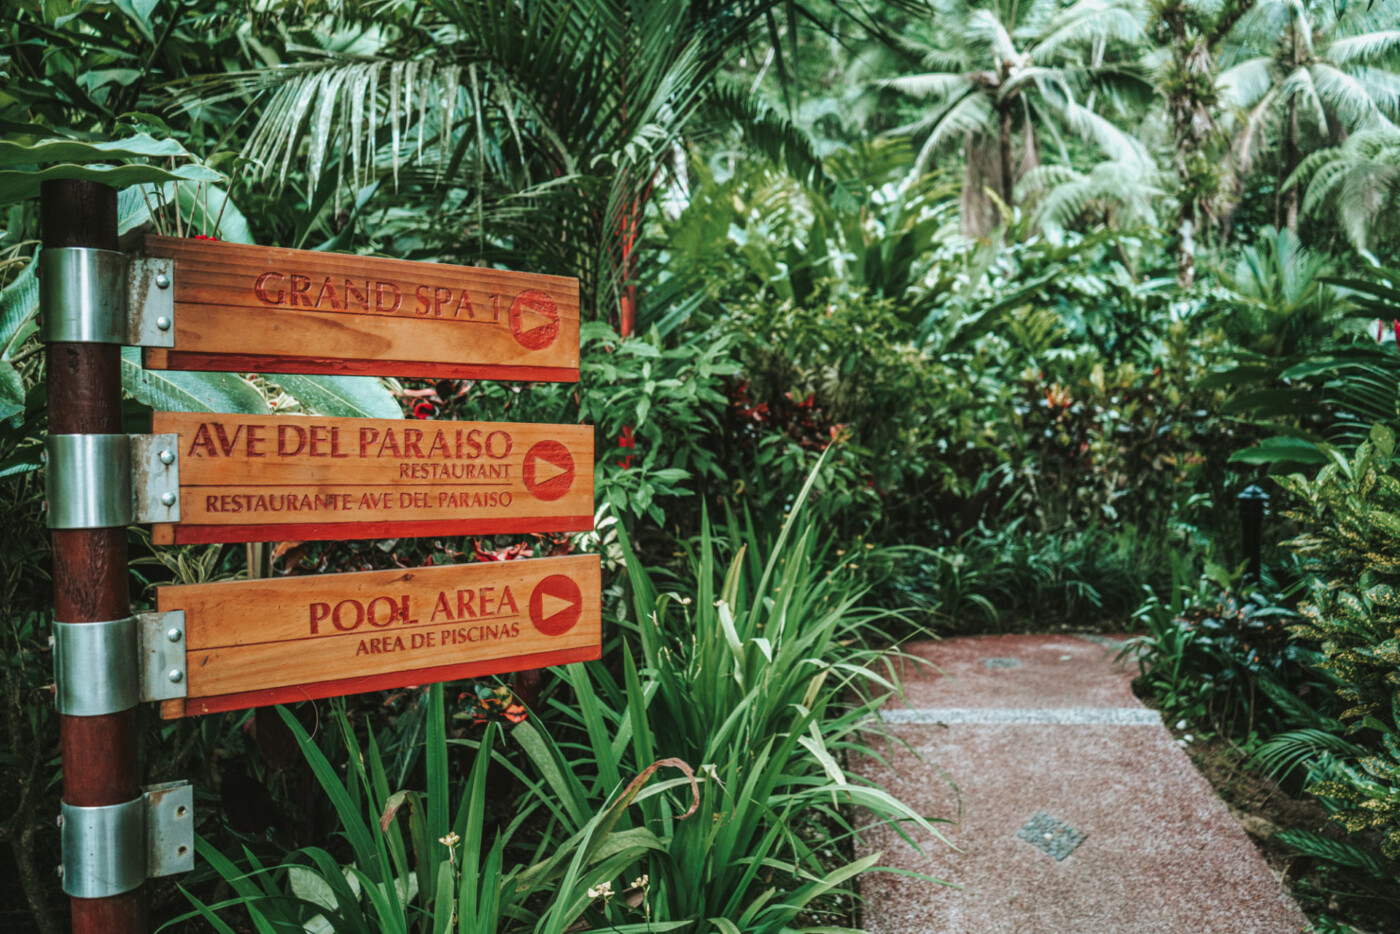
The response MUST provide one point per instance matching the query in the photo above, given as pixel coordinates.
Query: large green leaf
(11, 391)
(1281, 450)
(72, 150)
(179, 391)
(341, 396)
(204, 209)
(19, 303)
(21, 185)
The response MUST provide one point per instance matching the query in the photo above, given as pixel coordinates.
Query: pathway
(1075, 810)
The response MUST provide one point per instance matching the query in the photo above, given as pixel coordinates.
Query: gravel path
(1072, 807)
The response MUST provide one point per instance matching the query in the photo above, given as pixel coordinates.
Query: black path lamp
(1254, 502)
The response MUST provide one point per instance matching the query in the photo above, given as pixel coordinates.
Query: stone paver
(991, 747)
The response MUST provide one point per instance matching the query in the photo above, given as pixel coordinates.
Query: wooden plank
(272, 641)
(272, 310)
(248, 478)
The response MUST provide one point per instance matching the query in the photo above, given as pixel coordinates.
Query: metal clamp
(114, 849)
(110, 481)
(105, 297)
(102, 668)
(162, 639)
(96, 669)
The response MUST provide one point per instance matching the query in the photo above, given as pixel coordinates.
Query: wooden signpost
(228, 646)
(251, 643)
(270, 310)
(246, 478)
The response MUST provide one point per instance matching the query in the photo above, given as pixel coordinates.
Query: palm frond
(937, 86)
(1364, 48)
(770, 133)
(1358, 182)
(1118, 194)
(1347, 97)
(1286, 751)
(1090, 21)
(1245, 83)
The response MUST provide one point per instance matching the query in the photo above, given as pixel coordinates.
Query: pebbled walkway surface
(1045, 731)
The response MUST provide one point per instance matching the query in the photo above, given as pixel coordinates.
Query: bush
(752, 682)
(1351, 545)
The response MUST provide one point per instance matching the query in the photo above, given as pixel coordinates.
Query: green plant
(998, 67)
(1351, 546)
(455, 879)
(1217, 655)
(758, 695)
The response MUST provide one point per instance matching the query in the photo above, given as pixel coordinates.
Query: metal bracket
(162, 655)
(102, 668)
(104, 297)
(155, 478)
(114, 849)
(110, 481)
(96, 670)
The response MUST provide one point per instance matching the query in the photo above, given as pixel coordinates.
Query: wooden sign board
(257, 642)
(270, 310)
(252, 478)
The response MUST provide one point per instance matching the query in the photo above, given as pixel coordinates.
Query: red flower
(509, 553)
(629, 441)
(424, 409)
(202, 237)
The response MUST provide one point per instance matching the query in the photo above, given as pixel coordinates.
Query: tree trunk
(1288, 200)
(1186, 244)
(981, 174)
(1008, 179)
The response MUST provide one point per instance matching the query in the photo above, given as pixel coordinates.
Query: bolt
(59, 822)
(163, 323)
(176, 676)
(167, 498)
(173, 634)
(43, 457)
(162, 282)
(59, 870)
(167, 457)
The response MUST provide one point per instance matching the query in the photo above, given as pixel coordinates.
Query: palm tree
(529, 133)
(1358, 184)
(1307, 74)
(1191, 32)
(1006, 63)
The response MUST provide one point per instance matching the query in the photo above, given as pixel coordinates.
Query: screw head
(176, 676)
(167, 457)
(163, 323)
(162, 281)
(174, 634)
(167, 498)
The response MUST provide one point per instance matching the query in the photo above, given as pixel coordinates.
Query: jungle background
(901, 318)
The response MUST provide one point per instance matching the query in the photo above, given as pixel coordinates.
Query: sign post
(250, 478)
(258, 642)
(206, 477)
(272, 310)
(89, 574)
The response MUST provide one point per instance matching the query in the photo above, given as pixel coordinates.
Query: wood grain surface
(305, 478)
(266, 641)
(273, 310)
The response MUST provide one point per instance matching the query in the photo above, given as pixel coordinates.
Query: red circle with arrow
(534, 319)
(555, 605)
(548, 470)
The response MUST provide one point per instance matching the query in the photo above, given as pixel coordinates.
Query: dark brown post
(89, 565)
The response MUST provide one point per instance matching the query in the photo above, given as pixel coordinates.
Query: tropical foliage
(899, 317)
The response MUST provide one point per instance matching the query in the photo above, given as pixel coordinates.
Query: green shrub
(1351, 545)
(752, 682)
